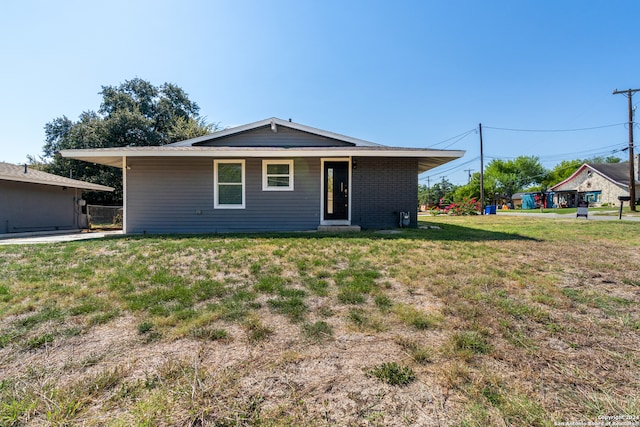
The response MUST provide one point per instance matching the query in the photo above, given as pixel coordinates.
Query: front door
(336, 190)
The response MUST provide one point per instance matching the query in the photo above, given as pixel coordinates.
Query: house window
(228, 184)
(277, 175)
(593, 196)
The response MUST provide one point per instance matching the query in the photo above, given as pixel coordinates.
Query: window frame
(265, 175)
(216, 184)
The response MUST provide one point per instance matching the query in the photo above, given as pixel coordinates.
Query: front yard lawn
(486, 320)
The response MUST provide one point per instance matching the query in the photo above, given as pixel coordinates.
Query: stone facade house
(599, 184)
(270, 175)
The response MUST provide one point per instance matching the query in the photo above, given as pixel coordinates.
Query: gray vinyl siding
(36, 207)
(176, 196)
(381, 189)
(265, 137)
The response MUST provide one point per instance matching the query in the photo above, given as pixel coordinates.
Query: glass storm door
(336, 190)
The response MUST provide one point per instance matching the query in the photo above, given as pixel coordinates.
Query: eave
(427, 159)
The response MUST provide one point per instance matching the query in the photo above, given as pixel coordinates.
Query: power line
(555, 130)
(459, 139)
(452, 169)
(607, 149)
(460, 136)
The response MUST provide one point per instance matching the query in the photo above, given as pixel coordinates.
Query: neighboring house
(598, 184)
(32, 200)
(271, 175)
(517, 200)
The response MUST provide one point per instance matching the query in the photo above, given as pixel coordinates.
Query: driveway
(57, 238)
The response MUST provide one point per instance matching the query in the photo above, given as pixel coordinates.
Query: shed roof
(427, 158)
(22, 173)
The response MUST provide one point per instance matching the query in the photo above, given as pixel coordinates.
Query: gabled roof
(11, 172)
(617, 173)
(274, 122)
(115, 156)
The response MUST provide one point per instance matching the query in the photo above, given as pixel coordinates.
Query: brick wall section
(381, 189)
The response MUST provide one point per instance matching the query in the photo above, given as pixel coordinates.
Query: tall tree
(515, 175)
(560, 172)
(135, 113)
(503, 178)
(442, 192)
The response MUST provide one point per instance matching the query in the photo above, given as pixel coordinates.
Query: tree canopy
(135, 113)
(506, 177)
(441, 190)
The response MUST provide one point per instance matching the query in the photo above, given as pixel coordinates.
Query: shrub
(464, 207)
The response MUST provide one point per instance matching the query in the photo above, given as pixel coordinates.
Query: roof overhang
(54, 180)
(427, 159)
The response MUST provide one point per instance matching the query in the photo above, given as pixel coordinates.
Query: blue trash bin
(490, 210)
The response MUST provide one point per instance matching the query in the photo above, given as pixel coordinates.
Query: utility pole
(481, 174)
(469, 172)
(632, 174)
(442, 189)
(428, 191)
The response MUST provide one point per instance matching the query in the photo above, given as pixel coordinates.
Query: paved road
(592, 217)
(56, 238)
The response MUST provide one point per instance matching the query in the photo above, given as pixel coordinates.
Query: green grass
(293, 307)
(393, 374)
(470, 342)
(266, 329)
(210, 333)
(317, 331)
(422, 355)
(606, 210)
(256, 331)
(414, 317)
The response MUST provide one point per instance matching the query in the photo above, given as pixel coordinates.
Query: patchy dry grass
(485, 321)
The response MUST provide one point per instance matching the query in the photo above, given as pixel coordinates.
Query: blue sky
(403, 73)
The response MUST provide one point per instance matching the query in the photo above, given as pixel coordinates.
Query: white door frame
(335, 221)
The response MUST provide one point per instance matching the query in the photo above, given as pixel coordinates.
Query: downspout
(124, 194)
(76, 213)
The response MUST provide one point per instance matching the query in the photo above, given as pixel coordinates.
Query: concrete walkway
(36, 238)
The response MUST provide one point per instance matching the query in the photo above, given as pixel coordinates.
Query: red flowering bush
(465, 207)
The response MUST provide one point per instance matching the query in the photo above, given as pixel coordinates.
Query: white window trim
(217, 205)
(265, 182)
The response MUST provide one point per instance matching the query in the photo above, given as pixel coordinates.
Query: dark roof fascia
(114, 156)
(16, 173)
(274, 122)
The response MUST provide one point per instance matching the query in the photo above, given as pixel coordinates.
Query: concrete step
(338, 228)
